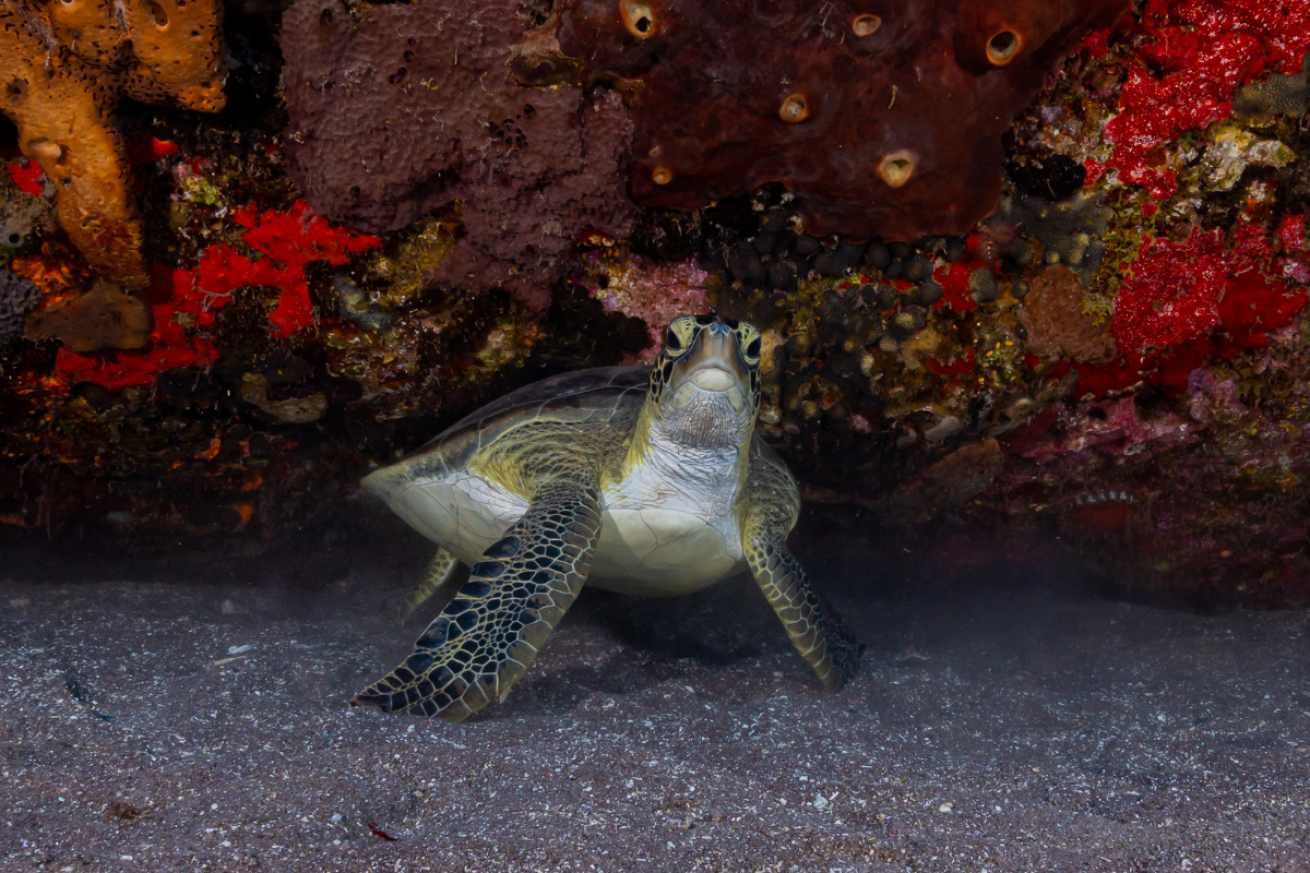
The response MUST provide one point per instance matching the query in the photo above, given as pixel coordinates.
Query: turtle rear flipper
(441, 570)
(486, 637)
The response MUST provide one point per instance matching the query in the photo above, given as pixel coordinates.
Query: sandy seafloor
(1007, 718)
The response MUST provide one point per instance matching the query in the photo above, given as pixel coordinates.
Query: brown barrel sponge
(884, 118)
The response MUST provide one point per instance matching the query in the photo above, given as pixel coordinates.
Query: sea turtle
(646, 481)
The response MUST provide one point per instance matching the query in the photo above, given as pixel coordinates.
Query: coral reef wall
(1018, 267)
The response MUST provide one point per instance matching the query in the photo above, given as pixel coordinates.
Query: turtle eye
(672, 344)
(753, 350)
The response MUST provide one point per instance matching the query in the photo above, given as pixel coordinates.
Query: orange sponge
(64, 66)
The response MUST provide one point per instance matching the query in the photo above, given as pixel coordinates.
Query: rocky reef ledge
(1020, 267)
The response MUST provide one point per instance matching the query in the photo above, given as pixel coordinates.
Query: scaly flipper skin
(815, 628)
(484, 640)
(441, 569)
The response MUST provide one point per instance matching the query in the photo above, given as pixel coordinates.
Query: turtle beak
(713, 365)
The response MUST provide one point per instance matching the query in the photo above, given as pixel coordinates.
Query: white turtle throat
(709, 409)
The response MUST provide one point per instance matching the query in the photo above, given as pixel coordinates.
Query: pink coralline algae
(656, 293)
(1191, 56)
(1215, 478)
(882, 118)
(415, 107)
(1116, 428)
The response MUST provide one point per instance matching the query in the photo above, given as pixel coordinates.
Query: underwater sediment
(1019, 267)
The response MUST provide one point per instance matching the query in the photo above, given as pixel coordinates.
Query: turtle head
(705, 386)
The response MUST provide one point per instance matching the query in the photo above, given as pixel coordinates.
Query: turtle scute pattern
(815, 628)
(484, 640)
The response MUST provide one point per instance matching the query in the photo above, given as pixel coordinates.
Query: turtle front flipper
(816, 630)
(441, 569)
(486, 637)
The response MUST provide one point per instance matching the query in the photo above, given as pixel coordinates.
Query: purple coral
(415, 106)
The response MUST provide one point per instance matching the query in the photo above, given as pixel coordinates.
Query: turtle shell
(596, 394)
